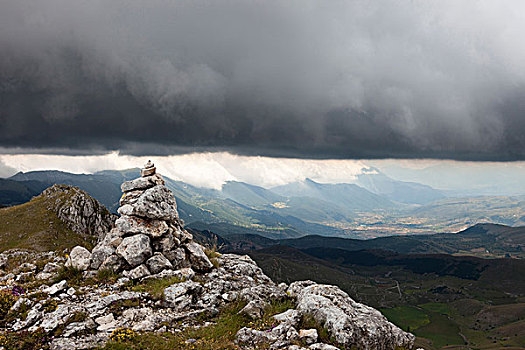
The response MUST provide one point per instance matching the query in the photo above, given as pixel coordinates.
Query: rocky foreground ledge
(147, 280)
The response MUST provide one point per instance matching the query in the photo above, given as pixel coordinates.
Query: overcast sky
(299, 79)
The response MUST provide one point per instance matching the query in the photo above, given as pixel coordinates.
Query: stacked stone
(148, 238)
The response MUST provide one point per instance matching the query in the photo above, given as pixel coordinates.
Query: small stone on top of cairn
(149, 169)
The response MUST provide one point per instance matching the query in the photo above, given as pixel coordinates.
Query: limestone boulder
(131, 225)
(113, 263)
(155, 203)
(79, 258)
(137, 273)
(99, 254)
(158, 262)
(179, 295)
(198, 259)
(135, 249)
(142, 183)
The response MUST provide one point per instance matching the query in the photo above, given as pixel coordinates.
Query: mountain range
(450, 289)
(374, 206)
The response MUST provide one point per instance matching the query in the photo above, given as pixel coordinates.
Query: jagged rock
(348, 322)
(25, 277)
(177, 257)
(130, 197)
(308, 336)
(155, 203)
(18, 304)
(182, 235)
(199, 260)
(322, 346)
(142, 183)
(99, 254)
(179, 295)
(148, 171)
(106, 322)
(252, 337)
(130, 225)
(58, 317)
(291, 316)
(100, 303)
(25, 267)
(79, 343)
(56, 288)
(254, 309)
(137, 273)
(33, 316)
(81, 213)
(113, 263)
(51, 267)
(76, 328)
(158, 262)
(166, 243)
(182, 274)
(79, 258)
(135, 249)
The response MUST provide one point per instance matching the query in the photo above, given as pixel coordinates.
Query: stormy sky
(297, 79)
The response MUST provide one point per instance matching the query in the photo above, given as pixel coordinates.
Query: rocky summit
(148, 238)
(148, 281)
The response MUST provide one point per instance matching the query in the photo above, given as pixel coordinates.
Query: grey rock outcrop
(79, 211)
(348, 322)
(135, 249)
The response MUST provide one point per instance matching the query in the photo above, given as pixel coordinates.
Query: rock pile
(148, 238)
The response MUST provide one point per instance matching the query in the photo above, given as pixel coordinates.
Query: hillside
(482, 240)
(61, 217)
(449, 302)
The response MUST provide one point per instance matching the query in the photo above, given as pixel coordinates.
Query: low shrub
(121, 335)
(7, 300)
(72, 275)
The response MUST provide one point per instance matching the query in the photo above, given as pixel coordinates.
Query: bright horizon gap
(213, 169)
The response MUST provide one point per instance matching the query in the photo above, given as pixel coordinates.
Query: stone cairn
(148, 238)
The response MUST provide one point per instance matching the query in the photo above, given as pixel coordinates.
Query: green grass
(155, 287)
(73, 276)
(33, 226)
(440, 308)
(409, 318)
(428, 321)
(107, 276)
(441, 331)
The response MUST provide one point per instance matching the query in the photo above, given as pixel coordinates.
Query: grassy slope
(33, 226)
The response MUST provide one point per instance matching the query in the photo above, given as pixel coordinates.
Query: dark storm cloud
(306, 78)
